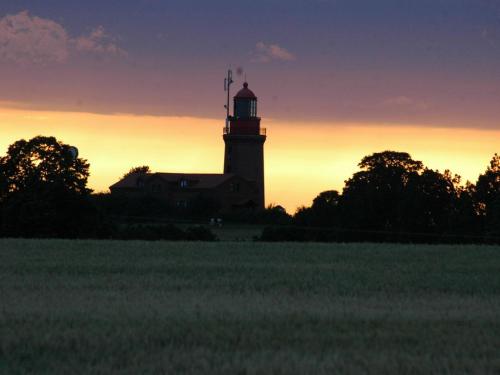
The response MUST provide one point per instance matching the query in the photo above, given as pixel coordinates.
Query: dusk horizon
(294, 176)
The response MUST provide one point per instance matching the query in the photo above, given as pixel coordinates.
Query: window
(234, 187)
(184, 184)
(245, 108)
(253, 108)
(182, 204)
(156, 188)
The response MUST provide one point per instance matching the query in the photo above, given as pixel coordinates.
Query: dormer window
(234, 187)
(184, 184)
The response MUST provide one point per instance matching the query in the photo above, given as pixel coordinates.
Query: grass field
(71, 307)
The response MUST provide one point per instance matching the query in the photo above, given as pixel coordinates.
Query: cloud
(100, 42)
(269, 52)
(27, 39)
(405, 102)
(490, 35)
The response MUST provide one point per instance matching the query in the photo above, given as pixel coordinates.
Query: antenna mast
(227, 87)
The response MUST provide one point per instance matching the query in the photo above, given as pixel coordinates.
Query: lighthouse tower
(244, 142)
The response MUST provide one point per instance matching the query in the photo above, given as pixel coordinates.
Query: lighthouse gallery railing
(243, 131)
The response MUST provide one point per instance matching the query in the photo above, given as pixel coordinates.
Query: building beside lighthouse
(241, 185)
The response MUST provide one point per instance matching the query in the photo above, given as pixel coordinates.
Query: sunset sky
(140, 82)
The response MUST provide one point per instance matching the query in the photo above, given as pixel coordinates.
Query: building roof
(199, 180)
(245, 93)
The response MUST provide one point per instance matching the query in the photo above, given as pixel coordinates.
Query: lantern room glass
(245, 108)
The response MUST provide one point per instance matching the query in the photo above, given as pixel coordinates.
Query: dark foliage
(492, 222)
(131, 206)
(298, 234)
(397, 199)
(325, 211)
(166, 232)
(201, 207)
(143, 169)
(393, 198)
(200, 233)
(271, 215)
(488, 197)
(150, 206)
(43, 192)
(318, 234)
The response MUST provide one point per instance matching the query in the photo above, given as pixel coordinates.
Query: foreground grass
(157, 307)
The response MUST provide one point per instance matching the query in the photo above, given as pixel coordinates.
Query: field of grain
(79, 307)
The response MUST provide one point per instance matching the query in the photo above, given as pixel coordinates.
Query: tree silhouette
(391, 161)
(394, 198)
(395, 194)
(465, 219)
(374, 198)
(488, 184)
(42, 160)
(43, 190)
(428, 201)
(488, 196)
(325, 211)
(492, 222)
(273, 214)
(143, 169)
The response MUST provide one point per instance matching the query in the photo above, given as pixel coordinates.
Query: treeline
(397, 199)
(44, 194)
(392, 198)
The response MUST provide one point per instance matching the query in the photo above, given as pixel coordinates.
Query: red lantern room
(245, 103)
(244, 120)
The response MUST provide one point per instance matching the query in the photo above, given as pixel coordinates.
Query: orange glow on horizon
(301, 159)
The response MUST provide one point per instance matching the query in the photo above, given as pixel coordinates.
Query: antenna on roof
(227, 87)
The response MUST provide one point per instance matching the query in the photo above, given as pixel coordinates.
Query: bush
(298, 234)
(200, 233)
(167, 232)
(311, 234)
(131, 206)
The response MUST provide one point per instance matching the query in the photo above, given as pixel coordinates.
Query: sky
(141, 82)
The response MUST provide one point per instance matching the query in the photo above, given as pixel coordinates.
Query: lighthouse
(244, 142)
(239, 189)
